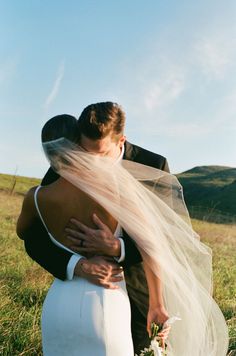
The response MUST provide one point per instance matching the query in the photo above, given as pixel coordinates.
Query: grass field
(24, 284)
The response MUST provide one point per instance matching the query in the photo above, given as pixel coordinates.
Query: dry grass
(24, 284)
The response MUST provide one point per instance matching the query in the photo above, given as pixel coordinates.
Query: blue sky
(170, 64)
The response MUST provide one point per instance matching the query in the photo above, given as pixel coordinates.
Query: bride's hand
(158, 315)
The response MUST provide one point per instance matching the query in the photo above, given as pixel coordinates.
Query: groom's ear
(122, 140)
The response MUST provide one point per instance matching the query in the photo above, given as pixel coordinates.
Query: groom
(101, 128)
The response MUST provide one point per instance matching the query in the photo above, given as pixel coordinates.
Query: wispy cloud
(148, 87)
(172, 91)
(215, 54)
(56, 86)
(166, 89)
(225, 113)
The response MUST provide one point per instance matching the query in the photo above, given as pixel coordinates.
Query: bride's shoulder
(29, 198)
(28, 213)
(31, 192)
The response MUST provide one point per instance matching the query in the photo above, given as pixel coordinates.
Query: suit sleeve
(132, 254)
(165, 166)
(49, 177)
(39, 246)
(42, 250)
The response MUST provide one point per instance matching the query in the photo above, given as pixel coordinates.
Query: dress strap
(37, 207)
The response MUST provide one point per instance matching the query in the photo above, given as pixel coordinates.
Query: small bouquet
(155, 349)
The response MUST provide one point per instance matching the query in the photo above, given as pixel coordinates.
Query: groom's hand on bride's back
(98, 241)
(100, 270)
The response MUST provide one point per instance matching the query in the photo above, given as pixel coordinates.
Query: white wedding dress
(82, 319)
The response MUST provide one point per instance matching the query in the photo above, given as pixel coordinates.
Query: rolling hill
(213, 187)
(206, 187)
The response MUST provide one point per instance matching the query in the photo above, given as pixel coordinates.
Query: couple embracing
(110, 223)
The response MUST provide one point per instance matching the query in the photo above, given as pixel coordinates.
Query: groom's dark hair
(101, 119)
(60, 126)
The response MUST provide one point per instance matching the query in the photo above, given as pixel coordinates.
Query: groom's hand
(100, 241)
(99, 270)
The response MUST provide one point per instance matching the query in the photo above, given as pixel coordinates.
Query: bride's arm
(28, 213)
(38, 244)
(157, 312)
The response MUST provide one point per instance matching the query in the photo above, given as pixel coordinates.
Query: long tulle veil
(149, 205)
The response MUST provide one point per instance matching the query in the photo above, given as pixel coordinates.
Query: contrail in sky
(56, 86)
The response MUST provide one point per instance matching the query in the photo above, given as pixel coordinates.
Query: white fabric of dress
(82, 319)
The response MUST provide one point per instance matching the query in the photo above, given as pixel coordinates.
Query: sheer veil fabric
(149, 205)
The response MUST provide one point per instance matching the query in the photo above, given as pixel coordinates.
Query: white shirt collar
(121, 155)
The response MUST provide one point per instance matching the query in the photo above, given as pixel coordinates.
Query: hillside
(210, 186)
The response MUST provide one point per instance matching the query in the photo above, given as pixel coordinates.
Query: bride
(80, 318)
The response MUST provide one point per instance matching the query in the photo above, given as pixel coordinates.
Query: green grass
(20, 185)
(23, 287)
(24, 284)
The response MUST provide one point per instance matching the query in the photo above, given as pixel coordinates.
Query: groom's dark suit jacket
(54, 259)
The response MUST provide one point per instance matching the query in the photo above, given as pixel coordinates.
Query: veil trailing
(149, 205)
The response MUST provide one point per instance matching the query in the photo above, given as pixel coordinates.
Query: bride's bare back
(61, 201)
